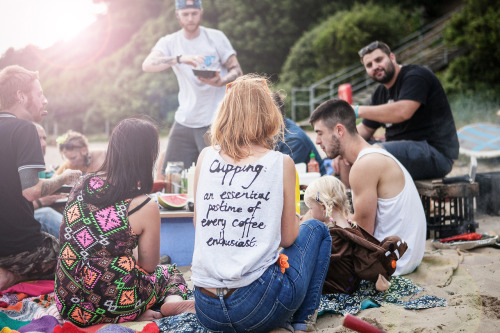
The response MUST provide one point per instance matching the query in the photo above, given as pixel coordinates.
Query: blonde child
(356, 255)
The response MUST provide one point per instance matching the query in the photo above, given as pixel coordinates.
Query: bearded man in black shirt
(411, 104)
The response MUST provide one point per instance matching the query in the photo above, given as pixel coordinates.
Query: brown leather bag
(356, 255)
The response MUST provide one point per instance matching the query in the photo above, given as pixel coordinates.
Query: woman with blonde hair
(244, 212)
(355, 254)
(74, 147)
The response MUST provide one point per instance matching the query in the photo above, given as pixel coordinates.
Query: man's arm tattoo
(163, 61)
(51, 185)
(236, 68)
(230, 77)
(234, 71)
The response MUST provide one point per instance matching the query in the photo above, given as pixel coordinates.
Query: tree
(333, 44)
(475, 28)
(97, 77)
(262, 32)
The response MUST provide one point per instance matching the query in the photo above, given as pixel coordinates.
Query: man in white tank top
(385, 199)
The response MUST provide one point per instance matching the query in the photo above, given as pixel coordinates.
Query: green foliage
(333, 44)
(300, 67)
(470, 107)
(262, 32)
(97, 78)
(476, 28)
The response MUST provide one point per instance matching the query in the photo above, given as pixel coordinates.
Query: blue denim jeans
(49, 219)
(275, 299)
(422, 160)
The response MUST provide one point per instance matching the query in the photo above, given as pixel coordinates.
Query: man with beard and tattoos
(412, 106)
(385, 199)
(26, 253)
(193, 47)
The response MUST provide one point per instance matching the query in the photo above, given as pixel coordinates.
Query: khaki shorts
(36, 264)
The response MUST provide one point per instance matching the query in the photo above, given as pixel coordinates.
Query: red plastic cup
(345, 92)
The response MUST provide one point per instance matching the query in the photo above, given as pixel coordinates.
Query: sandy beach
(469, 280)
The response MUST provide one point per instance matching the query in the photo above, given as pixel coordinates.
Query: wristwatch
(179, 58)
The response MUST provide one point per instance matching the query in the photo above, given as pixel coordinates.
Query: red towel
(32, 288)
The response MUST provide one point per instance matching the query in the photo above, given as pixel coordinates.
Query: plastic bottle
(313, 165)
(190, 180)
(297, 193)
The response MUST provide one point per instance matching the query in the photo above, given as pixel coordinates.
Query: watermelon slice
(173, 201)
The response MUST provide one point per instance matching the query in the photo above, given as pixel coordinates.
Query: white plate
(206, 73)
(466, 245)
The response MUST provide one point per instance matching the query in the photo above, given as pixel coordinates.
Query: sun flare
(69, 17)
(45, 22)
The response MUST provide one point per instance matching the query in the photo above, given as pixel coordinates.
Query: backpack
(356, 255)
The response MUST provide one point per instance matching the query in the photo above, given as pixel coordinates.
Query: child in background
(356, 255)
(74, 147)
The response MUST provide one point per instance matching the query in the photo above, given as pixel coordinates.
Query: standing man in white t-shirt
(193, 47)
(385, 199)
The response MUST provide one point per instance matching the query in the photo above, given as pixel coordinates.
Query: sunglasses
(231, 83)
(68, 146)
(369, 48)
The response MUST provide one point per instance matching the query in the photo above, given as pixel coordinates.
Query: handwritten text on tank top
(236, 199)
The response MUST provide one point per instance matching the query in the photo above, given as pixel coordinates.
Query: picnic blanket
(403, 292)
(21, 312)
(30, 307)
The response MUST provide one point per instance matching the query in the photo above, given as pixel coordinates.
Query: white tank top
(403, 216)
(238, 220)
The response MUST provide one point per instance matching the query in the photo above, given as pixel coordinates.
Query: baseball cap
(182, 4)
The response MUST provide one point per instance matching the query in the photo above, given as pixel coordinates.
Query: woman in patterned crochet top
(110, 239)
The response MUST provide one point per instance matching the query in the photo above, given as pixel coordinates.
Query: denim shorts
(275, 299)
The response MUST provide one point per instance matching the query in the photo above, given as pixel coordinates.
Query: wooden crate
(449, 208)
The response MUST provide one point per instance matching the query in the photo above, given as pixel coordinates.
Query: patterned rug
(20, 312)
(403, 292)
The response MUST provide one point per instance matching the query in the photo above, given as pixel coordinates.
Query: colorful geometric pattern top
(97, 278)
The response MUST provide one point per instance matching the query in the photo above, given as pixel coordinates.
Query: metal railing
(425, 46)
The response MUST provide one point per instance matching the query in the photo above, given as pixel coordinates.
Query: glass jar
(173, 177)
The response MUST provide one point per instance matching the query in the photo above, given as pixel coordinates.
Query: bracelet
(39, 203)
(179, 59)
(298, 215)
(356, 111)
